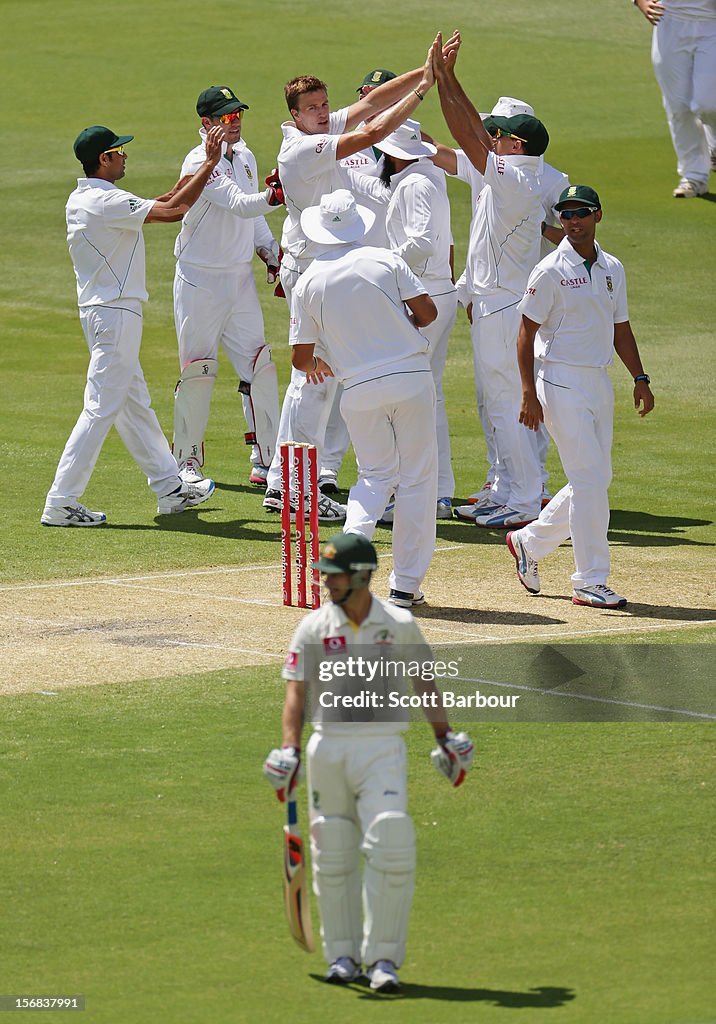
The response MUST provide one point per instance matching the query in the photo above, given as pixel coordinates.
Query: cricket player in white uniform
(314, 143)
(683, 53)
(574, 317)
(104, 234)
(418, 225)
(349, 305)
(503, 248)
(215, 298)
(357, 768)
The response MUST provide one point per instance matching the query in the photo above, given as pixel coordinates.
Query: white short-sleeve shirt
(576, 309)
(104, 235)
(327, 634)
(418, 224)
(308, 169)
(350, 304)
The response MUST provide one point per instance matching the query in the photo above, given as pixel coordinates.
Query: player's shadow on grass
(480, 617)
(544, 997)
(676, 613)
(641, 529)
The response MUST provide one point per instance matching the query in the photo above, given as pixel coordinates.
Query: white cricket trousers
(683, 53)
(494, 341)
(352, 779)
(306, 407)
(391, 422)
(115, 394)
(578, 405)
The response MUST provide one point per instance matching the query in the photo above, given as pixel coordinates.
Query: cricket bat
(295, 886)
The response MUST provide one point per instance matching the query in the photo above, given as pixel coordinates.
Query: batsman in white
(314, 143)
(350, 306)
(418, 225)
(574, 317)
(215, 298)
(357, 768)
(683, 53)
(104, 234)
(503, 247)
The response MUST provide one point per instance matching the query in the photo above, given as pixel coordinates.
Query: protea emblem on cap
(329, 551)
(226, 92)
(572, 190)
(375, 77)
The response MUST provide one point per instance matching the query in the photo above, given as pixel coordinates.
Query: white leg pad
(337, 885)
(389, 848)
(261, 408)
(192, 398)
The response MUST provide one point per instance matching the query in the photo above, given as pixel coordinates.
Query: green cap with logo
(525, 127)
(375, 78)
(346, 552)
(91, 142)
(579, 194)
(218, 100)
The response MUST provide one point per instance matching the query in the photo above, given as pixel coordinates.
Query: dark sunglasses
(583, 212)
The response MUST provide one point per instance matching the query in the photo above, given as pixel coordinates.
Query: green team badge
(249, 175)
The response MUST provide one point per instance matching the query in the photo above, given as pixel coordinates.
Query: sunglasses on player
(116, 149)
(502, 134)
(583, 212)
(235, 115)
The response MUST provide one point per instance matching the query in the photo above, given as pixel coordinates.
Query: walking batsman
(215, 298)
(357, 767)
(104, 234)
(574, 317)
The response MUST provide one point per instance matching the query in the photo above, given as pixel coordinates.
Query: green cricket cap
(346, 552)
(579, 194)
(375, 78)
(529, 129)
(218, 100)
(95, 140)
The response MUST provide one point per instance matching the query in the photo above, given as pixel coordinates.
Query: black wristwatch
(642, 376)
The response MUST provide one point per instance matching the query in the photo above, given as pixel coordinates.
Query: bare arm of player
(315, 368)
(446, 158)
(551, 233)
(651, 9)
(531, 414)
(173, 209)
(422, 309)
(626, 348)
(292, 716)
(460, 115)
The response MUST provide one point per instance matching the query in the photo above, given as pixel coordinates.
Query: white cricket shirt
(349, 303)
(576, 310)
(505, 231)
(418, 224)
(308, 169)
(226, 223)
(372, 193)
(326, 635)
(104, 235)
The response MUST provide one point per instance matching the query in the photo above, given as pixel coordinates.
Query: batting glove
(453, 756)
(281, 768)
(271, 256)
(274, 192)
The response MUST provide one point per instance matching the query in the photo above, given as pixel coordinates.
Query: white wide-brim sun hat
(338, 218)
(405, 142)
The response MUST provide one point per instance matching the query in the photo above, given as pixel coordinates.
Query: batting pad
(389, 880)
(337, 885)
(261, 407)
(192, 398)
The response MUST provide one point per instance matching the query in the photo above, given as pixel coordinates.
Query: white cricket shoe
(598, 596)
(73, 514)
(388, 515)
(383, 976)
(444, 508)
(690, 189)
(190, 472)
(469, 513)
(328, 481)
(258, 475)
(485, 491)
(527, 572)
(184, 497)
(404, 599)
(342, 971)
(503, 518)
(330, 511)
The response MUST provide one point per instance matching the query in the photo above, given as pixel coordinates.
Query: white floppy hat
(337, 219)
(405, 142)
(508, 106)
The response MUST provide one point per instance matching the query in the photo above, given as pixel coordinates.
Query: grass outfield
(570, 879)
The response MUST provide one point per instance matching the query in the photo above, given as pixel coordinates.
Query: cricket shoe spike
(342, 971)
(598, 596)
(73, 514)
(383, 976)
(184, 497)
(527, 571)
